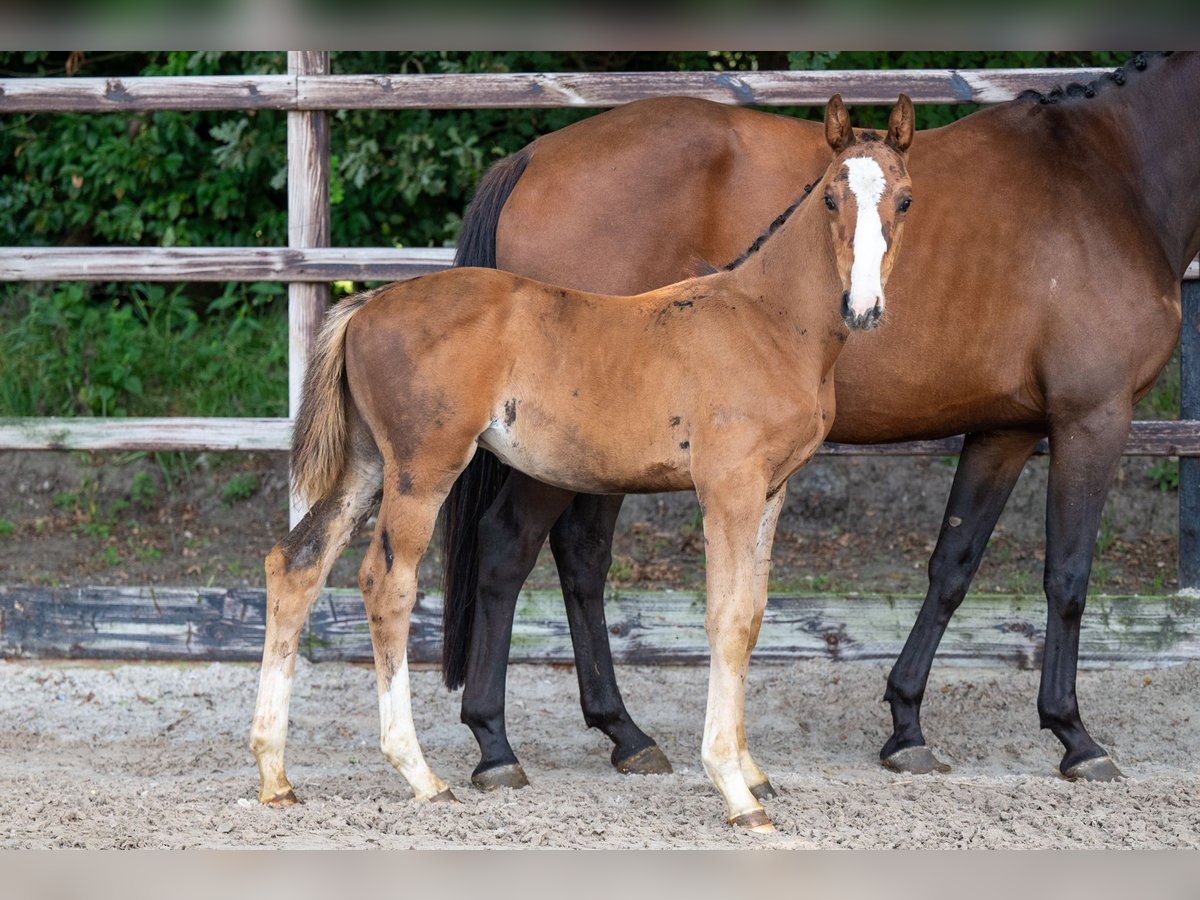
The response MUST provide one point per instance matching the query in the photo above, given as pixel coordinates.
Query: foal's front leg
(736, 515)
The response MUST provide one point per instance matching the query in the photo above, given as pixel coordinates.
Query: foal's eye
(905, 204)
(829, 204)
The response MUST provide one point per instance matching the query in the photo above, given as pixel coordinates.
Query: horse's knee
(1066, 591)
(950, 572)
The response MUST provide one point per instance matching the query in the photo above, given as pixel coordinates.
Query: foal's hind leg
(582, 543)
(296, 571)
(388, 579)
(989, 466)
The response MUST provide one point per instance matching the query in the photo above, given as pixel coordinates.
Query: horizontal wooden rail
(519, 90)
(1168, 438)
(158, 434)
(220, 263)
(233, 263)
(645, 627)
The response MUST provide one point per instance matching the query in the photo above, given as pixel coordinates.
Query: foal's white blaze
(866, 182)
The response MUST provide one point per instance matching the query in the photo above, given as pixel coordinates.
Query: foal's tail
(321, 431)
(479, 484)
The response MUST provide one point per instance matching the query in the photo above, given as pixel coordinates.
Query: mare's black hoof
(647, 761)
(508, 776)
(1102, 768)
(763, 791)
(914, 761)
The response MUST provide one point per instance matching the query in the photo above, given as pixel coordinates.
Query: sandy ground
(155, 756)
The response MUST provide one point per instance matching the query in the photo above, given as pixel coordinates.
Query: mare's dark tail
(479, 484)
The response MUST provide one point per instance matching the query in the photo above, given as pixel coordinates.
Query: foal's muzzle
(864, 322)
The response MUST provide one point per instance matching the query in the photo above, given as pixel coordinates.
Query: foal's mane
(702, 266)
(1115, 78)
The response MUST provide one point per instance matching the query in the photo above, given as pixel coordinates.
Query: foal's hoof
(1102, 768)
(647, 761)
(446, 796)
(287, 798)
(914, 761)
(756, 821)
(763, 791)
(507, 776)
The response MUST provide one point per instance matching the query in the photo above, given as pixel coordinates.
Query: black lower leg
(582, 545)
(510, 535)
(1084, 456)
(988, 468)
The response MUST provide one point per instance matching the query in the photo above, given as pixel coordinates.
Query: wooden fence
(308, 92)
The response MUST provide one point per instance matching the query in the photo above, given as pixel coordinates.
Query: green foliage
(219, 179)
(142, 490)
(240, 487)
(1165, 474)
(7, 527)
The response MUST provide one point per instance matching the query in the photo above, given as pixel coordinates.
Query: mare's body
(1038, 296)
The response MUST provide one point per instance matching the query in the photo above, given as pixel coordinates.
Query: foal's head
(867, 192)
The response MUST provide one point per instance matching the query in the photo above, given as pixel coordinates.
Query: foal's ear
(900, 125)
(838, 132)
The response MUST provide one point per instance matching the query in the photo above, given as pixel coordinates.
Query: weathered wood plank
(601, 89)
(315, 264)
(308, 226)
(159, 434)
(148, 93)
(300, 91)
(1172, 438)
(131, 623)
(233, 263)
(645, 627)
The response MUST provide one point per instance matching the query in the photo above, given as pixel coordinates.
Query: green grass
(155, 350)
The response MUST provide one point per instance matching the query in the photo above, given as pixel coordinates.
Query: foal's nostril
(846, 314)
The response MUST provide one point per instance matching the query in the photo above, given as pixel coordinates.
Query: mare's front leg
(1084, 453)
(990, 465)
(582, 544)
(388, 579)
(296, 571)
(736, 515)
(511, 533)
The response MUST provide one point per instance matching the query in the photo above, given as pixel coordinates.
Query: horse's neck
(794, 274)
(1157, 115)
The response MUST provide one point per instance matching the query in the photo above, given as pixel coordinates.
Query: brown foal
(721, 383)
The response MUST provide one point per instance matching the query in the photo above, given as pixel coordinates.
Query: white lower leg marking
(398, 736)
(866, 182)
(268, 734)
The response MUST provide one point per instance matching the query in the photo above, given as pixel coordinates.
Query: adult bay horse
(1039, 295)
(721, 383)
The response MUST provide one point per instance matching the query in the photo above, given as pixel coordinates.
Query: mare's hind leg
(1084, 453)
(582, 543)
(510, 535)
(989, 466)
(388, 579)
(296, 570)
(756, 779)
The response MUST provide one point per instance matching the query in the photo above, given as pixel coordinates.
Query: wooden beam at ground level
(645, 627)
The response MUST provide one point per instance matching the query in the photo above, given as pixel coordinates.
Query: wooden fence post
(1189, 467)
(308, 226)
